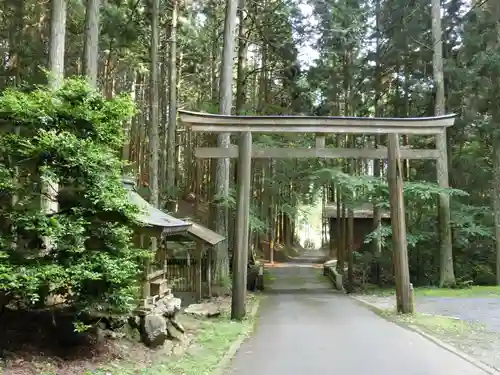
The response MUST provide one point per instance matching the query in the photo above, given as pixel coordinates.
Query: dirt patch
(380, 302)
(33, 345)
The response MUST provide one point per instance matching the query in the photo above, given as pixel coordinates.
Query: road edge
(235, 346)
(479, 364)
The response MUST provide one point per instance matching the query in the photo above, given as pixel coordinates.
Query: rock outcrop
(203, 310)
(159, 324)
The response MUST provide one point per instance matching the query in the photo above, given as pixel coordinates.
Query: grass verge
(442, 326)
(473, 291)
(214, 338)
(268, 277)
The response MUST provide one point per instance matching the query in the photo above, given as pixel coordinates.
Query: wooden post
(209, 272)
(399, 243)
(350, 250)
(332, 240)
(339, 227)
(320, 141)
(165, 259)
(199, 256)
(377, 218)
(240, 256)
(392, 179)
(197, 190)
(272, 216)
(146, 286)
(412, 298)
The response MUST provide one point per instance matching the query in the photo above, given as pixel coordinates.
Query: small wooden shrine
(156, 231)
(154, 226)
(363, 221)
(197, 261)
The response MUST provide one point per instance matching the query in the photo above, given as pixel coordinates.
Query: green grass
(473, 291)
(208, 349)
(268, 277)
(436, 325)
(374, 290)
(214, 338)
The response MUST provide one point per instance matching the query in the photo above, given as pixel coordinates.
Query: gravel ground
(478, 336)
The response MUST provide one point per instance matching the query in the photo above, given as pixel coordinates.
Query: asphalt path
(305, 328)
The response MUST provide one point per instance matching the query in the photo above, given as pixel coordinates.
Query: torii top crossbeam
(205, 122)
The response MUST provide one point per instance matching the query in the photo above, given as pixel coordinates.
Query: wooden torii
(320, 126)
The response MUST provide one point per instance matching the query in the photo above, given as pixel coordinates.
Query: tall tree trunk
(272, 214)
(16, 42)
(214, 84)
(50, 189)
(223, 140)
(263, 81)
(496, 199)
(57, 43)
(350, 230)
(91, 41)
(154, 120)
(242, 60)
(240, 98)
(377, 215)
(339, 219)
(351, 142)
(494, 8)
(15, 61)
(447, 275)
(129, 152)
(172, 110)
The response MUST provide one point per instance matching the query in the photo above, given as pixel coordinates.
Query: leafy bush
(484, 275)
(470, 225)
(71, 136)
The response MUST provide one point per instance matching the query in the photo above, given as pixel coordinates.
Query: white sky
(307, 52)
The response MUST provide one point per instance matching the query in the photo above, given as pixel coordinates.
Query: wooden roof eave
(150, 216)
(198, 232)
(206, 235)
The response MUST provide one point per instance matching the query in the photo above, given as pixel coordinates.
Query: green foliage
(69, 136)
(256, 223)
(421, 222)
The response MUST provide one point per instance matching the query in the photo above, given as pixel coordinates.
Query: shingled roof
(203, 233)
(150, 215)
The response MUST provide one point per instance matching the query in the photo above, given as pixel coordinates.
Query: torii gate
(246, 125)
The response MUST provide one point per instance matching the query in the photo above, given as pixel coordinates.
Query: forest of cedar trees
(91, 90)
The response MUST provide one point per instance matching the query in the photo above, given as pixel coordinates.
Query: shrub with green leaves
(470, 225)
(70, 136)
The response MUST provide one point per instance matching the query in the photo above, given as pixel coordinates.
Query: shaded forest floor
(467, 319)
(33, 346)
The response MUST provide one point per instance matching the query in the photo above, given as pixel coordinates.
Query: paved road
(306, 329)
